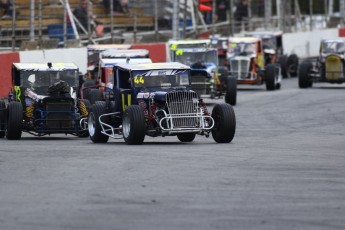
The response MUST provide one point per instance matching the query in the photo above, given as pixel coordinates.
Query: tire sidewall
(224, 123)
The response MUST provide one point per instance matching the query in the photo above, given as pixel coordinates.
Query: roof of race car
(244, 39)
(191, 50)
(115, 53)
(108, 46)
(334, 40)
(55, 66)
(173, 44)
(109, 62)
(153, 66)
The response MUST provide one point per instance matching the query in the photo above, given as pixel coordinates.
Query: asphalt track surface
(284, 170)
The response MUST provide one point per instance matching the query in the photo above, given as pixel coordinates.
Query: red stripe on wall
(157, 51)
(6, 60)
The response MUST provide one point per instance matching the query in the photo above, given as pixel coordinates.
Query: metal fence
(160, 20)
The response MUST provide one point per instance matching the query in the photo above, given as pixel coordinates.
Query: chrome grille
(182, 109)
(240, 68)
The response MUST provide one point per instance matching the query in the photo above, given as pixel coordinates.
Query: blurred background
(28, 24)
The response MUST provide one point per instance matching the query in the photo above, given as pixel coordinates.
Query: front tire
(133, 125)
(14, 121)
(283, 61)
(304, 80)
(94, 125)
(292, 65)
(231, 91)
(2, 118)
(186, 137)
(224, 123)
(270, 77)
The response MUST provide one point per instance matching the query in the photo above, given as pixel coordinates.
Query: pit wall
(304, 44)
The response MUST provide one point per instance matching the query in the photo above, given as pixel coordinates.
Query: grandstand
(48, 25)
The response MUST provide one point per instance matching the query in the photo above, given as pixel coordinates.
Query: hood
(158, 94)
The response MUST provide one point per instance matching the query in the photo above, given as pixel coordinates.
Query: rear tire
(292, 65)
(86, 92)
(133, 125)
(270, 77)
(95, 95)
(304, 80)
(186, 137)
(231, 91)
(14, 121)
(2, 118)
(283, 61)
(94, 125)
(224, 123)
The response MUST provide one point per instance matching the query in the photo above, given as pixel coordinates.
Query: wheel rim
(126, 126)
(91, 124)
(291, 70)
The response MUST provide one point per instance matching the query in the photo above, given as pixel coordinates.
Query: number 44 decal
(139, 80)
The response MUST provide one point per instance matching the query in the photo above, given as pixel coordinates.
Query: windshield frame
(44, 79)
(162, 78)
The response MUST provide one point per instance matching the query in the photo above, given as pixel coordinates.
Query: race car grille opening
(240, 68)
(183, 108)
(59, 116)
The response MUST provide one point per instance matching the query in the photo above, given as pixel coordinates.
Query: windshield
(219, 43)
(269, 43)
(161, 78)
(333, 47)
(47, 78)
(242, 48)
(190, 58)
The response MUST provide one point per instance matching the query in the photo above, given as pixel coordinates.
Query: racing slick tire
(14, 121)
(2, 118)
(95, 95)
(93, 124)
(292, 65)
(304, 80)
(133, 125)
(283, 61)
(289, 65)
(224, 123)
(86, 92)
(186, 137)
(231, 91)
(270, 77)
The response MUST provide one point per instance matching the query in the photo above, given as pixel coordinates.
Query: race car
(247, 63)
(186, 43)
(156, 100)
(329, 66)
(93, 52)
(206, 77)
(274, 52)
(43, 101)
(94, 91)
